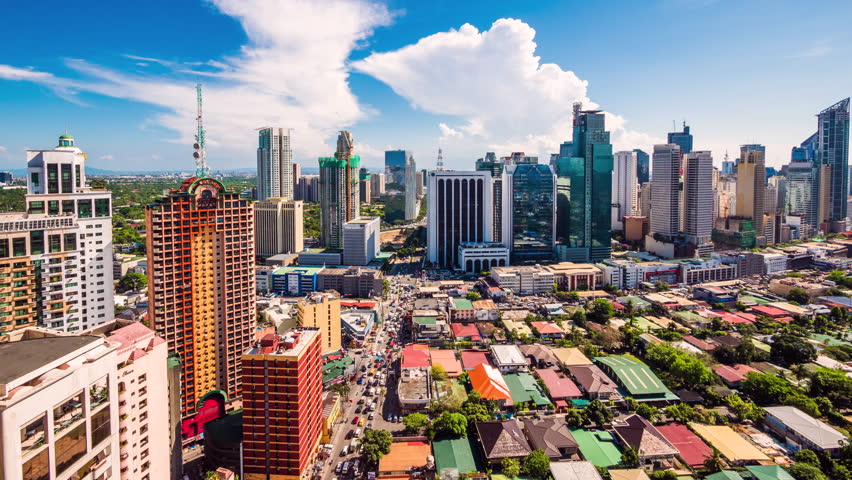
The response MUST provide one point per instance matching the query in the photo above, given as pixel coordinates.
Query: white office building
(665, 198)
(698, 200)
(278, 227)
(57, 186)
(410, 188)
(459, 210)
(475, 257)
(274, 163)
(625, 188)
(361, 240)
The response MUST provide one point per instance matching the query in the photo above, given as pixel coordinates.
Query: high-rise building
(751, 186)
(802, 199)
(6, 178)
(698, 196)
(59, 408)
(201, 283)
(682, 139)
(490, 164)
(309, 187)
(282, 405)
(832, 150)
(57, 186)
(643, 166)
(419, 178)
(410, 188)
(377, 185)
(364, 179)
(339, 195)
(274, 163)
(624, 187)
(395, 164)
(297, 175)
(584, 190)
(529, 212)
(361, 240)
(279, 226)
(644, 203)
(459, 210)
(665, 197)
(322, 311)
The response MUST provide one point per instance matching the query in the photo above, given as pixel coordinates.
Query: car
(355, 421)
(361, 423)
(339, 468)
(371, 415)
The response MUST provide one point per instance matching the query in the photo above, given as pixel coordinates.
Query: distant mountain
(93, 171)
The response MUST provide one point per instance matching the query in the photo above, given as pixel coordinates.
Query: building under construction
(339, 191)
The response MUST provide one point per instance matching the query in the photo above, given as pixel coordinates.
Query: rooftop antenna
(674, 126)
(440, 165)
(201, 169)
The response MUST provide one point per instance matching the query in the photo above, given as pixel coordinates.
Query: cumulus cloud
(504, 97)
(291, 73)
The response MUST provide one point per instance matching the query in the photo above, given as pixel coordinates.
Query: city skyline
(368, 78)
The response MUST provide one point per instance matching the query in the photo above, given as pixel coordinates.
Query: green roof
(761, 346)
(828, 340)
(635, 377)
(524, 388)
(638, 302)
(769, 472)
(597, 446)
(424, 320)
(725, 475)
(66, 137)
(462, 303)
(454, 454)
(335, 368)
(298, 269)
(690, 317)
(644, 324)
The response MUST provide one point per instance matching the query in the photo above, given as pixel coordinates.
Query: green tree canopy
(537, 464)
(375, 444)
(799, 296)
(510, 467)
(439, 373)
(133, 281)
(415, 421)
(630, 458)
(807, 471)
(789, 349)
(599, 310)
(682, 366)
(452, 424)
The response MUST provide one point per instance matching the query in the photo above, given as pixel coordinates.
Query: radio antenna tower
(440, 165)
(201, 169)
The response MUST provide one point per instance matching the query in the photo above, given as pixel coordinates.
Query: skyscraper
(282, 407)
(339, 191)
(584, 190)
(832, 150)
(395, 162)
(665, 197)
(274, 163)
(624, 187)
(751, 186)
(459, 210)
(490, 164)
(201, 283)
(410, 188)
(297, 175)
(529, 212)
(279, 225)
(643, 166)
(698, 199)
(377, 185)
(79, 223)
(682, 139)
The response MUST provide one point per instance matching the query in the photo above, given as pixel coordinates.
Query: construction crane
(201, 169)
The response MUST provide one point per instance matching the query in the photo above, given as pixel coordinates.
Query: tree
(375, 444)
(473, 296)
(439, 373)
(647, 411)
(575, 418)
(807, 456)
(744, 409)
(385, 287)
(600, 310)
(806, 471)
(597, 413)
(799, 296)
(714, 463)
(682, 366)
(511, 467)
(537, 464)
(133, 281)
(681, 412)
(661, 286)
(415, 421)
(630, 458)
(475, 412)
(833, 384)
(452, 424)
(789, 349)
(663, 475)
(342, 389)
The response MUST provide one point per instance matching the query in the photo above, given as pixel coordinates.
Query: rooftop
(574, 471)
(692, 449)
(462, 304)
(471, 359)
(571, 356)
(508, 355)
(559, 386)
(635, 376)
(808, 427)
(454, 456)
(550, 435)
(524, 388)
(290, 344)
(502, 439)
(597, 446)
(489, 383)
(730, 444)
(404, 456)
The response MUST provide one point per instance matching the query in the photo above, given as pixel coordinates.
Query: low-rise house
(636, 378)
(414, 389)
(571, 356)
(406, 460)
(490, 384)
(539, 355)
(801, 430)
(489, 331)
(454, 457)
(692, 450)
(549, 330)
(574, 471)
(446, 359)
(502, 439)
(772, 312)
(651, 446)
(470, 359)
(729, 375)
(559, 386)
(699, 344)
(553, 436)
(628, 474)
(518, 327)
(508, 358)
(461, 310)
(485, 311)
(466, 332)
(526, 391)
(733, 446)
(415, 355)
(594, 382)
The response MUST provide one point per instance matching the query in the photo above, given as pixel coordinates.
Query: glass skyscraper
(833, 151)
(584, 190)
(529, 212)
(395, 162)
(682, 139)
(643, 166)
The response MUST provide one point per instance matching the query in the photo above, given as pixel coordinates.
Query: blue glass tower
(584, 191)
(643, 166)
(832, 151)
(531, 203)
(682, 139)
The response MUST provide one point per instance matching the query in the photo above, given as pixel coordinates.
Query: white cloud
(2, 148)
(292, 73)
(106, 157)
(505, 99)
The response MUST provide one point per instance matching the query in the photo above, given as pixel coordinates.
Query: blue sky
(470, 77)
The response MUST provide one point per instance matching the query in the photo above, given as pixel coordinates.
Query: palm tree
(714, 464)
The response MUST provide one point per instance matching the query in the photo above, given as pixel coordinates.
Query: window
(70, 242)
(68, 412)
(37, 207)
(70, 448)
(84, 208)
(66, 178)
(32, 434)
(100, 426)
(4, 248)
(37, 467)
(77, 175)
(53, 207)
(19, 247)
(102, 207)
(54, 243)
(37, 242)
(34, 179)
(52, 178)
(67, 206)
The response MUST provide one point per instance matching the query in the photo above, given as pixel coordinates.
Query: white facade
(477, 257)
(459, 210)
(377, 185)
(774, 262)
(279, 225)
(624, 187)
(665, 198)
(410, 188)
(524, 280)
(361, 240)
(58, 411)
(57, 186)
(698, 200)
(274, 163)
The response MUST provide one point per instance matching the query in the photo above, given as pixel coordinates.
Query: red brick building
(282, 405)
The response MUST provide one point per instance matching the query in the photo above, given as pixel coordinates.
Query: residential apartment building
(279, 226)
(361, 240)
(274, 163)
(355, 281)
(322, 311)
(282, 405)
(201, 283)
(57, 186)
(625, 186)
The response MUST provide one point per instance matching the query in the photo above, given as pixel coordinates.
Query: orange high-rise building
(282, 405)
(201, 284)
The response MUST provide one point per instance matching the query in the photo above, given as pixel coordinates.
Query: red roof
(471, 359)
(461, 330)
(558, 385)
(692, 449)
(617, 306)
(769, 311)
(733, 318)
(728, 374)
(698, 343)
(415, 356)
(744, 369)
(547, 328)
(357, 304)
